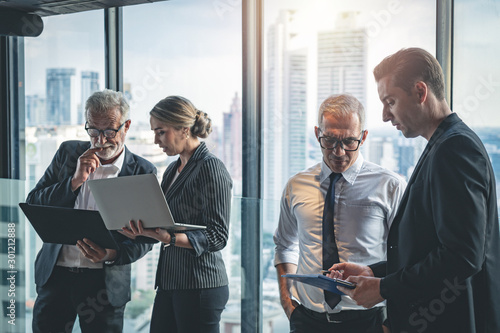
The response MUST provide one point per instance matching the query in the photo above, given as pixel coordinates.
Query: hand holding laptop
(94, 252)
(137, 229)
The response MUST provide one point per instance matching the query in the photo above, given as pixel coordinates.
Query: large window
(476, 75)
(63, 67)
(192, 49)
(316, 49)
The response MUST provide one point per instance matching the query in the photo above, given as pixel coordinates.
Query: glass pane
(193, 49)
(14, 262)
(476, 93)
(63, 66)
(316, 49)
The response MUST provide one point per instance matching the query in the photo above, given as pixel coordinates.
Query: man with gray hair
(338, 210)
(85, 279)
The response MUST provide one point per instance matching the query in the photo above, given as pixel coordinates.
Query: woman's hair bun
(202, 125)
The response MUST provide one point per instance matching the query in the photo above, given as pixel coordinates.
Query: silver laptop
(140, 197)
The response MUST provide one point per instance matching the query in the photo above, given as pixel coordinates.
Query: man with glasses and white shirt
(336, 211)
(85, 279)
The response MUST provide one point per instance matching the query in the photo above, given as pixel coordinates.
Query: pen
(325, 271)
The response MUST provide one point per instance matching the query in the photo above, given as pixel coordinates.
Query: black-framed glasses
(108, 133)
(348, 144)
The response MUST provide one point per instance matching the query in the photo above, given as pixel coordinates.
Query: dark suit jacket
(443, 261)
(54, 189)
(200, 195)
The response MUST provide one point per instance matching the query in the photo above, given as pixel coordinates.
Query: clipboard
(61, 225)
(321, 281)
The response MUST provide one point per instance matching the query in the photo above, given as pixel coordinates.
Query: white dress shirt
(70, 255)
(366, 200)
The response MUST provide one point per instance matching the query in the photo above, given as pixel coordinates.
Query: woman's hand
(138, 230)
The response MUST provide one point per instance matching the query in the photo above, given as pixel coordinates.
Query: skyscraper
(231, 141)
(284, 110)
(61, 96)
(35, 110)
(406, 156)
(381, 151)
(342, 57)
(295, 110)
(90, 84)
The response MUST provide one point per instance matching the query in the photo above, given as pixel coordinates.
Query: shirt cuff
(199, 242)
(282, 257)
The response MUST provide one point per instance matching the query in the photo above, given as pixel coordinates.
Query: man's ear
(365, 134)
(316, 132)
(422, 91)
(127, 125)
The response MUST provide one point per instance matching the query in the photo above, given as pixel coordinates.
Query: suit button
(393, 247)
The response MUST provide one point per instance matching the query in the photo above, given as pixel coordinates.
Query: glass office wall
(14, 261)
(476, 74)
(193, 49)
(63, 67)
(319, 48)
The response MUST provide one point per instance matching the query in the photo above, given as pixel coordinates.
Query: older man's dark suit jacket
(54, 189)
(443, 263)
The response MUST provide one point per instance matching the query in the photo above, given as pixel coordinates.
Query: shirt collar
(349, 175)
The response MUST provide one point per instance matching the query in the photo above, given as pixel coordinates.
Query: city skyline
(388, 23)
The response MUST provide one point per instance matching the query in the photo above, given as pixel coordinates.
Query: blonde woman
(191, 280)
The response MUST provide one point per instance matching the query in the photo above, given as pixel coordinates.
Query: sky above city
(170, 48)
(193, 48)
(390, 26)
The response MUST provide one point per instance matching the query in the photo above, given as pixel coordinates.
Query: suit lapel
(445, 125)
(168, 175)
(192, 165)
(183, 176)
(404, 199)
(129, 164)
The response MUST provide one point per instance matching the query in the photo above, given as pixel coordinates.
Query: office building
(61, 96)
(285, 110)
(231, 142)
(342, 57)
(35, 110)
(89, 85)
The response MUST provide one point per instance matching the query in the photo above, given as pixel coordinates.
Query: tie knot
(334, 177)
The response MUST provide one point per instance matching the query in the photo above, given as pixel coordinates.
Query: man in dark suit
(85, 279)
(443, 263)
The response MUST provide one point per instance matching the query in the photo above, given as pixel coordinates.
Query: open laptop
(67, 225)
(139, 197)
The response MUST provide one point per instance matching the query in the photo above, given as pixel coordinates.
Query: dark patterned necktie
(330, 251)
